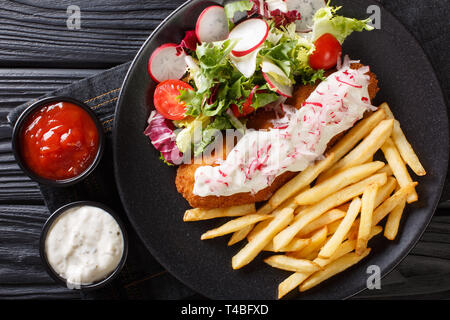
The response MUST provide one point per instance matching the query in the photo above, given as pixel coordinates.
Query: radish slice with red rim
(250, 34)
(269, 71)
(167, 63)
(281, 89)
(212, 25)
(277, 5)
(307, 9)
(246, 64)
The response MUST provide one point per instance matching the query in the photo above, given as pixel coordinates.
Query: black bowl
(16, 142)
(96, 285)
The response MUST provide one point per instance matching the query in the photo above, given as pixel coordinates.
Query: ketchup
(59, 141)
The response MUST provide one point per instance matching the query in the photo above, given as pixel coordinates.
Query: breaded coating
(261, 119)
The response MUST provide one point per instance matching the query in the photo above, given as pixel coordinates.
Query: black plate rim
(395, 262)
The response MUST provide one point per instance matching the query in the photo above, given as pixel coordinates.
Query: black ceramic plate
(147, 185)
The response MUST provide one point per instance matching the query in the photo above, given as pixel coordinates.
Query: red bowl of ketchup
(58, 141)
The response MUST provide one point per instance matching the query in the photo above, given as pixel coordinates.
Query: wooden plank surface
(35, 34)
(38, 54)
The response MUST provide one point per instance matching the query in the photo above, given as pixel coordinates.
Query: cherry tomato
(166, 100)
(328, 49)
(246, 110)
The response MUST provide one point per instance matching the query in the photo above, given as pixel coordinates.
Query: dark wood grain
(21, 273)
(35, 33)
(39, 54)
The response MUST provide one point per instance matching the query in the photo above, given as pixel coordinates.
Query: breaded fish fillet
(261, 119)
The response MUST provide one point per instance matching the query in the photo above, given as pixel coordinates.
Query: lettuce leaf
(237, 6)
(208, 134)
(191, 134)
(161, 133)
(291, 53)
(327, 21)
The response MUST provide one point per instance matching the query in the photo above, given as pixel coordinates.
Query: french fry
(356, 134)
(302, 180)
(291, 264)
(332, 227)
(336, 239)
(256, 245)
(406, 151)
(323, 220)
(198, 214)
(317, 240)
(257, 229)
(345, 247)
(389, 204)
(384, 106)
(317, 228)
(335, 267)
(402, 144)
(337, 182)
(296, 244)
(393, 221)
(383, 193)
(366, 149)
(313, 212)
(291, 282)
(385, 190)
(344, 207)
(365, 224)
(234, 225)
(375, 230)
(240, 235)
(267, 209)
(387, 169)
(312, 255)
(296, 279)
(398, 167)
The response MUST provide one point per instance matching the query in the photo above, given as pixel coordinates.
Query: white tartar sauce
(296, 140)
(84, 245)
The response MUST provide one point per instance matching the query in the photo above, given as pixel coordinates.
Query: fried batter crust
(261, 119)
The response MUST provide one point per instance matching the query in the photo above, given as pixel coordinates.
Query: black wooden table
(39, 53)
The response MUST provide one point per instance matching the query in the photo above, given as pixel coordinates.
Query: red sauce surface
(59, 141)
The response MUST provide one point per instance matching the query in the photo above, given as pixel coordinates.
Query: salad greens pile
(220, 86)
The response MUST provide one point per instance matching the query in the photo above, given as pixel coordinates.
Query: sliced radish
(277, 5)
(246, 64)
(269, 71)
(212, 25)
(268, 66)
(250, 34)
(307, 9)
(165, 63)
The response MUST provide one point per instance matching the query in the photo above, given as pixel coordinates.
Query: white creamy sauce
(297, 139)
(84, 245)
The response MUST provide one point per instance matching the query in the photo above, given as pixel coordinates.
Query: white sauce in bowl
(84, 245)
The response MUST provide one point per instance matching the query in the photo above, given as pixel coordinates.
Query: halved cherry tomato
(166, 100)
(325, 56)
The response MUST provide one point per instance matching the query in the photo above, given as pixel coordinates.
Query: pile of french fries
(320, 222)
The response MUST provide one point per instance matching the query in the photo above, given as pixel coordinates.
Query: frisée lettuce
(225, 85)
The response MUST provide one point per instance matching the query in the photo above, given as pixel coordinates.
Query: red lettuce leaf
(161, 133)
(189, 41)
